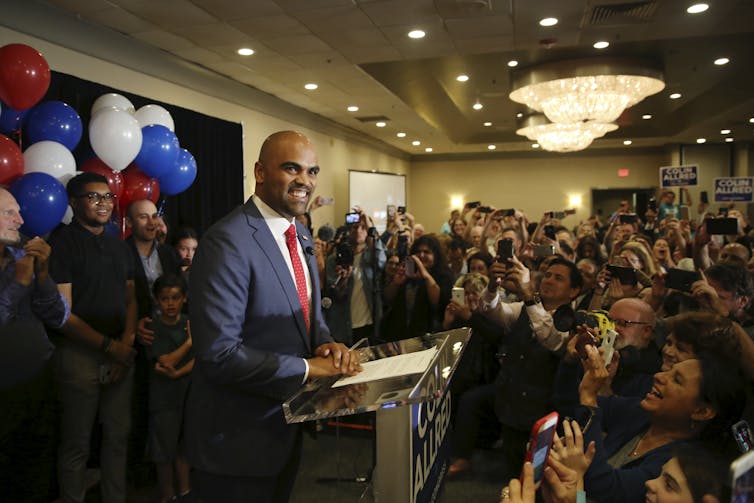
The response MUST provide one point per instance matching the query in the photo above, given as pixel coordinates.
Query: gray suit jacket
(250, 338)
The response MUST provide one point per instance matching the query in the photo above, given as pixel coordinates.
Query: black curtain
(215, 144)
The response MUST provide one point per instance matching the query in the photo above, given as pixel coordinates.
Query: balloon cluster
(137, 151)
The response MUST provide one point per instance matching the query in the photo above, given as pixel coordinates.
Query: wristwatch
(533, 301)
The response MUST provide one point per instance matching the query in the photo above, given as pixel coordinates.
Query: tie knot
(290, 234)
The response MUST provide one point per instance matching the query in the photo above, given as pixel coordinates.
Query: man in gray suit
(258, 333)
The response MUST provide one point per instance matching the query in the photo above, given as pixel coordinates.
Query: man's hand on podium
(334, 358)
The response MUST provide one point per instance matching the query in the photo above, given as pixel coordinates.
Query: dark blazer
(170, 263)
(249, 338)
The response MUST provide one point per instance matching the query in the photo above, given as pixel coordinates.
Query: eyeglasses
(627, 323)
(96, 197)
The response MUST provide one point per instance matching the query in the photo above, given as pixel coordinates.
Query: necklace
(634, 453)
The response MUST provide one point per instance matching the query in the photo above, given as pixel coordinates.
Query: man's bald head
(735, 252)
(10, 219)
(286, 173)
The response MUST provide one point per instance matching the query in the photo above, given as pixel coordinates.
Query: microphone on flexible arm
(309, 250)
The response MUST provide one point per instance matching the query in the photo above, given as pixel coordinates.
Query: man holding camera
(352, 284)
(529, 348)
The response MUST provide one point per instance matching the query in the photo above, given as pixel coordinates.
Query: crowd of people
(536, 295)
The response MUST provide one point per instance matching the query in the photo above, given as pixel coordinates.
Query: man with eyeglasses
(29, 300)
(639, 356)
(95, 272)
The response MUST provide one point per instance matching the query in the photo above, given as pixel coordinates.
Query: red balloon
(24, 76)
(136, 186)
(114, 179)
(11, 161)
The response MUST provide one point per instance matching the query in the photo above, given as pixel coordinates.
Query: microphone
(326, 233)
(309, 250)
(339, 280)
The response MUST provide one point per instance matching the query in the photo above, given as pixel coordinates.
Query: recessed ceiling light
(428, 149)
(512, 63)
(462, 78)
(675, 96)
(491, 147)
(751, 120)
(701, 140)
(697, 8)
(245, 51)
(401, 134)
(353, 108)
(416, 143)
(487, 124)
(478, 106)
(311, 86)
(535, 145)
(627, 142)
(548, 21)
(646, 116)
(380, 124)
(722, 61)
(728, 140)
(519, 115)
(602, 44)
(725, 131)
(416, 34)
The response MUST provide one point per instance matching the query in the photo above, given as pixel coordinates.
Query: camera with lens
(343, 255)
(566, 319)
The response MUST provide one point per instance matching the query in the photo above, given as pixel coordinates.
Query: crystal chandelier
(564, 137)
(592, 89)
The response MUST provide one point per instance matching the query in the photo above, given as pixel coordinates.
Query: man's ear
(258, 172)
(742, 301)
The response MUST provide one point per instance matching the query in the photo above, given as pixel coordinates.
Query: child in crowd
(171, 361)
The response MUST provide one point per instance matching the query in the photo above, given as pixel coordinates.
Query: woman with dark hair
(185, 243)
(698, 399)
(418, 292)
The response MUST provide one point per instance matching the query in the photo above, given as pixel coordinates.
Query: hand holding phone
(542, 434)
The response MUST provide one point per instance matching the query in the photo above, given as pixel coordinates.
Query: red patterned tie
(298, 271)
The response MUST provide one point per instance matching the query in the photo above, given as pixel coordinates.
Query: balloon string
(161, 205)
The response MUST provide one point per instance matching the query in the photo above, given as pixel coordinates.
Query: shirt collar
(277, 223)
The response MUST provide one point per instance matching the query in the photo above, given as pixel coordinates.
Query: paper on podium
(392, 366)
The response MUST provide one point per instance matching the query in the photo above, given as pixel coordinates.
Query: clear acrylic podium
(413, 415)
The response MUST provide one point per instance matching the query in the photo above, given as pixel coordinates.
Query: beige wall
(336, 155)
(535, 184)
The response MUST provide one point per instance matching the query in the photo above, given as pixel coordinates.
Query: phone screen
(458, 295)
(352, 218)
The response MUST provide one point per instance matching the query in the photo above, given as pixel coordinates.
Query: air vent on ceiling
(622, 13)
(454, 9)
(373, 118)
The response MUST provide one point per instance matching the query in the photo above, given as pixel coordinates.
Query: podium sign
(413, 415)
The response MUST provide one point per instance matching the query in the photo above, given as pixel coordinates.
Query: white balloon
(52, 158)
(154, 114)
(115, 137)
(68, 217)
(113, 100)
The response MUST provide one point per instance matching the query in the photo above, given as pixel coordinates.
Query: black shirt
(97, 266)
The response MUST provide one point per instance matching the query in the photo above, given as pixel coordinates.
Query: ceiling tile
(212, 34)
(264, 27)
(120, 20)
(392, 12)
(170, 13)
(479, 27)
(199, 55)
(300, 5)
(320, 20)
(163, 40)
(229, 10)
(82, 6)
(296, 44)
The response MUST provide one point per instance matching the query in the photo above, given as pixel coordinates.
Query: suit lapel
(261, 234)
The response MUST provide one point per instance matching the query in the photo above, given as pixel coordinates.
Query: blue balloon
(54, 121)
(43, 202)
(181, 176)
(11, 120)
(159, 151)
